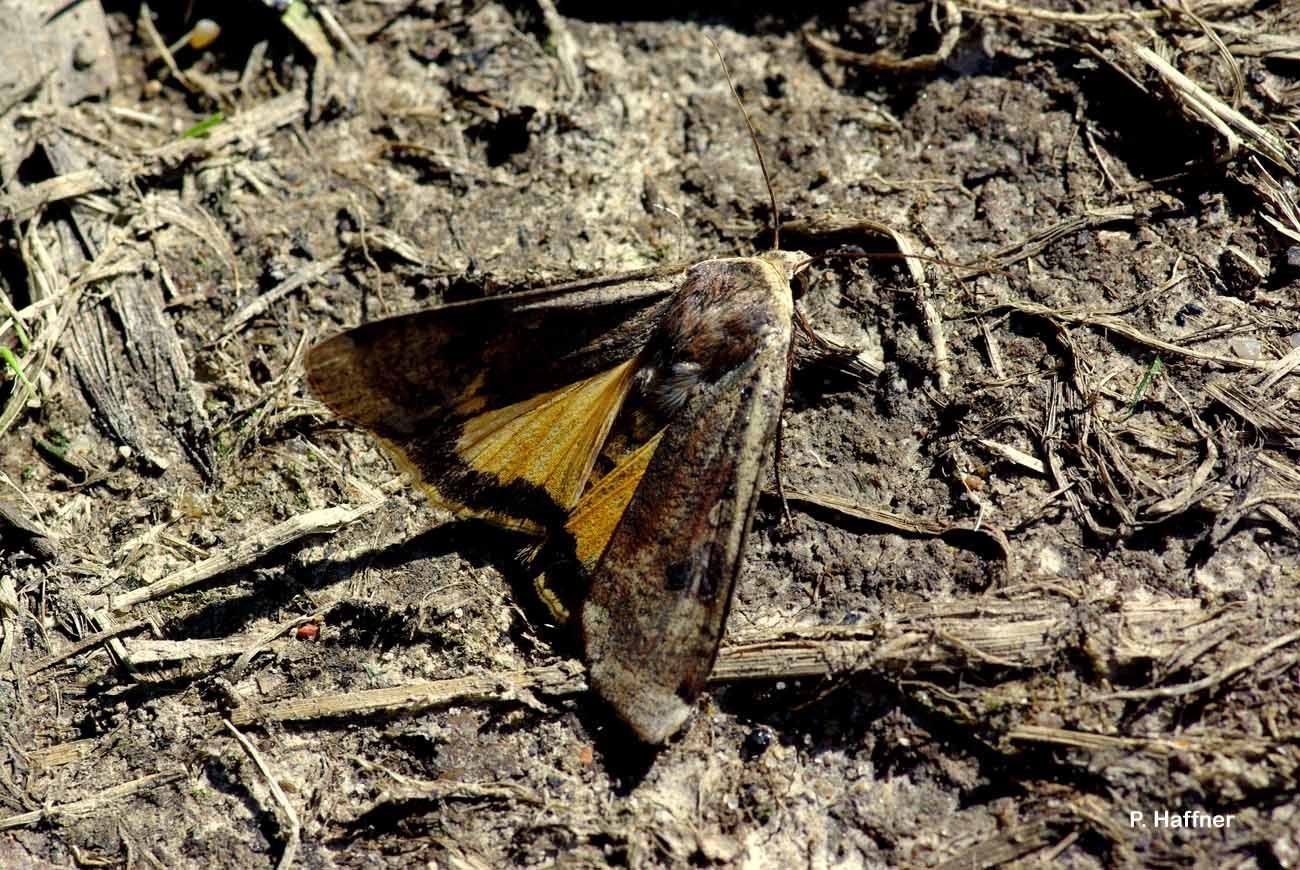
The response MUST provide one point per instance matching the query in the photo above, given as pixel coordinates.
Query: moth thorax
(726, 312)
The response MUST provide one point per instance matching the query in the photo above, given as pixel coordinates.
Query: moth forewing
(466, 395)
(660, 593)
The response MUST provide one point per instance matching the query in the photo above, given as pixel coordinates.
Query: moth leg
(816, 349)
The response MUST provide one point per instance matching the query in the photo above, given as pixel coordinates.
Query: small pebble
(1247, 348)
(756, 743)
(205, 32)
(83, 56)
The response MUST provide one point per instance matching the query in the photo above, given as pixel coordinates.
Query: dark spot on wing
(678, 575)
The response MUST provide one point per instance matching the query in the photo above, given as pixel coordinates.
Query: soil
(1044, 587)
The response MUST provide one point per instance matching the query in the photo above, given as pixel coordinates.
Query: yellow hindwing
(593, 521)
(550, 440)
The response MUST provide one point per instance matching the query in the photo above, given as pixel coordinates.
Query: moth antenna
(762, 164)
(897, 255)
(681, 229)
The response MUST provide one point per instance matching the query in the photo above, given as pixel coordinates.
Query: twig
(340, 34)
(243, 553)
(561, 678)
(991, 345)
(307, 275)
(26, 201)
(88, 642)
(1013, 10)
(1010, 845)
(444, 789)
(245, 657)
(1281, 369)
(1213, 111)
(1207, 682)
(1261, 413)
(1037, 243)
(94, 803)
(1090, 742)
(145, 23)
(294, 834)
(939, 342)
(10, 610)
(1018, 457)
(1116, 325)
(888, 61)
(923, 526)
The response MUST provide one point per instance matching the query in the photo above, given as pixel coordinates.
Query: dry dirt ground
(1044, 573)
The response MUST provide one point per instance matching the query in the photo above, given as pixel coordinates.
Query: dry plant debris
(1042, 570)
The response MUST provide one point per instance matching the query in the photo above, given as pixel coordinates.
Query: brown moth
(626, 421)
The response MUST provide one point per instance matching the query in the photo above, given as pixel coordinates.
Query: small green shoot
(1145, 384)
(11, 361)
(202, 127)
(19, 330)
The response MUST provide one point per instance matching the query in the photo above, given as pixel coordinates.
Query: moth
(627, 422)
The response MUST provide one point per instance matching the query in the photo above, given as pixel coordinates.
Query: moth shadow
(810, 713)
(627, 760)
(287, 577)
(479, 543)
(901, 732)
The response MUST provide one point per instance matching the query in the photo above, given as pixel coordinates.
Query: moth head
(793, 267)
(788, 263)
